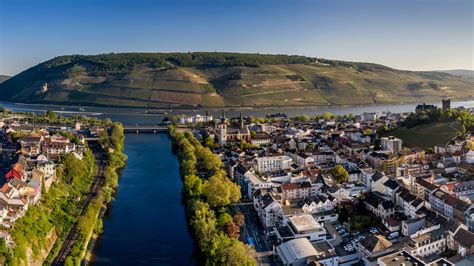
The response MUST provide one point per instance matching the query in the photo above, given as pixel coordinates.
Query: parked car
(374, 230)
(354, 233)
(393, 235)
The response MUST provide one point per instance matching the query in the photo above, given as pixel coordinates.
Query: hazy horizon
(403, 34)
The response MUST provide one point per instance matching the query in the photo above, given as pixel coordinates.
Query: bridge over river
(144, 128)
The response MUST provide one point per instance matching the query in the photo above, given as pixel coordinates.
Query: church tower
(241, 121)
(222, 130)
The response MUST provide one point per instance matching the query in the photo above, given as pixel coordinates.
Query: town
(341, 190)
(55, 178)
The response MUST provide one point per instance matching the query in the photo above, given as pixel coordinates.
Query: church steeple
(241, 121)
(223, 117)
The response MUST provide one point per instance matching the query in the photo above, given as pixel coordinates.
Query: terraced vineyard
(224, 79)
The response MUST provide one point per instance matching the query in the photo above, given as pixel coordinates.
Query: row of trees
(464, 117)
(208, 200)
(53, 118)
(90, 222)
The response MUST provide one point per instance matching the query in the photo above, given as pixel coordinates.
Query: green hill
(154, 80)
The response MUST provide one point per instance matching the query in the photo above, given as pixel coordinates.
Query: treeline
(463, 117)
(91, 223)
(127, 61)
(359, 66)
(52, 118)
(207, 203)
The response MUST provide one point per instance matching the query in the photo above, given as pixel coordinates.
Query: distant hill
(464, 73)
(154, 80)
(3, 78)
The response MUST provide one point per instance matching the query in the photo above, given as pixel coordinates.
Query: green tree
(341, 174)
(193, 185)
(223, 219)
(204, 224)
(209, 142)
(327, 115)
(117, 136)
(230, 251)
(51, 115)
(208, 161)
(220, 191)
(108, 122)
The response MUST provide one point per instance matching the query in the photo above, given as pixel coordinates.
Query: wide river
(137, 116)
(146, 222)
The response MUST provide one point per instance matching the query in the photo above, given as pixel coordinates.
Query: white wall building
(392, 144)
(195, 119)
(273, 163)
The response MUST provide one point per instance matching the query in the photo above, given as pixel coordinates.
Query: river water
(137, 116)
(146, 224)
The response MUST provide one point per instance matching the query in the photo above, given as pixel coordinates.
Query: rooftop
(295, 250)
(304, 223)
(401, 258)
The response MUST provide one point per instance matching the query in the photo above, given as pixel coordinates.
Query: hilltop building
(425, 107)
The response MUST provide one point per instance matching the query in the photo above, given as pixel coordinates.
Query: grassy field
(428, 135)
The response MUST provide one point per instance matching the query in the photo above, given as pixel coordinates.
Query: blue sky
(405, 34)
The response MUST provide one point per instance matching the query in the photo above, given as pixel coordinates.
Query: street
(253, 234)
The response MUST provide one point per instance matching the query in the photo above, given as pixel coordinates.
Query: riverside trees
(208, 203)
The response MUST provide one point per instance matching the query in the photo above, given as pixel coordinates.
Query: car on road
(374, 230)
(393, 235)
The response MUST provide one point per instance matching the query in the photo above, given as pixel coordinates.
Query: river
(146, 224)
(138, 116)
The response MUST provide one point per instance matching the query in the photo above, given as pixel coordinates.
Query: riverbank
(138, 117)
(208, 194)
(109, 157)
(154, 110)
(116, 159)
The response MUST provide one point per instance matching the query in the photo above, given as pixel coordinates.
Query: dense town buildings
(33, 156)
(417, 204)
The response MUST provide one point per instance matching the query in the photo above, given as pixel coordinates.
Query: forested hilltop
(214, 79)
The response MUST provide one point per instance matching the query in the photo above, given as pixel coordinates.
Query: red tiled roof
(15, 172)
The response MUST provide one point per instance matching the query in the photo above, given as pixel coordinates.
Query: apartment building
(391, 143)
(273, 163)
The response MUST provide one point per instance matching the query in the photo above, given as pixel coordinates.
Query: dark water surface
(146, 223)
